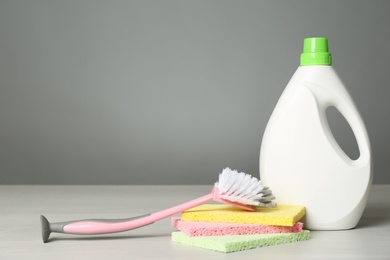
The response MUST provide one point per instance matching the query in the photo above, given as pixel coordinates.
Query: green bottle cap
(315, 52)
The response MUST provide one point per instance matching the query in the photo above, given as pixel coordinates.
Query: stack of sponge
(225, 228)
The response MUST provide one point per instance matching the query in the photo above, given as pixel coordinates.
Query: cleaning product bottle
(299, 156)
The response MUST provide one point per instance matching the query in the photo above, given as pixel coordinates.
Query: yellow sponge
(282, 215)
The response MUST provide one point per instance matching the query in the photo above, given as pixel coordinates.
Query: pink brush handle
(104, 226)
(112, 226)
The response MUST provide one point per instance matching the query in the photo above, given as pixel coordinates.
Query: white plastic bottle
(301, 161)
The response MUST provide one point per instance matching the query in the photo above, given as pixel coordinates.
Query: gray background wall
(170, 92)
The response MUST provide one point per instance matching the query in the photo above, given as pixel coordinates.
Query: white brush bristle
(243, 188)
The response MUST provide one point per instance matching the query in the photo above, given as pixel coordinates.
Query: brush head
(242, 188)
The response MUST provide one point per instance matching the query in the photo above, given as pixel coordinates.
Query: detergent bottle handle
(342, 101)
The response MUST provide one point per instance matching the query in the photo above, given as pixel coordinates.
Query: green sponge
(233, 243)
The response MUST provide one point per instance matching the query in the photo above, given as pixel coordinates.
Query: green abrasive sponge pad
(281, 215)
(233, 243)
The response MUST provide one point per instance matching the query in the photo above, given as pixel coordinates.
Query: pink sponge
(219, 228)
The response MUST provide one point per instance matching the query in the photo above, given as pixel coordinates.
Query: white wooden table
(20, 231)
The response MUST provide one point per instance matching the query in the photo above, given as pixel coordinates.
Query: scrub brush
(234, 188)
